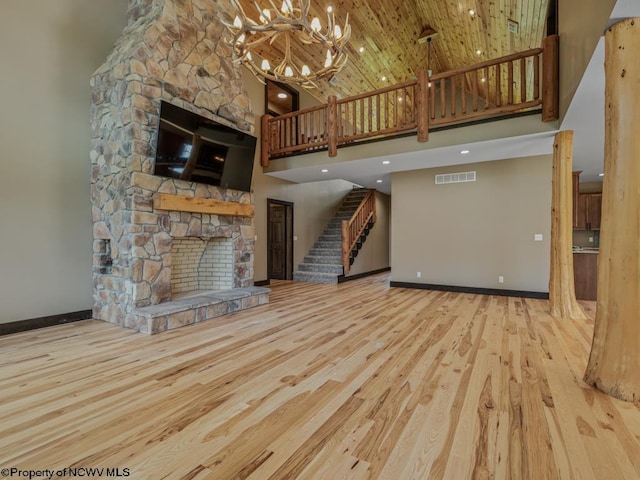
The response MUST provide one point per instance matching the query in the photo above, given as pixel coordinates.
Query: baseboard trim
(33, 323)
(474, 290)
(342, 278)
(262, 283)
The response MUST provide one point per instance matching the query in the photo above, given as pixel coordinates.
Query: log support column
(614, 364)
(562, 292)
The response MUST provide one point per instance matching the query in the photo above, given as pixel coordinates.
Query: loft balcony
(522, 83)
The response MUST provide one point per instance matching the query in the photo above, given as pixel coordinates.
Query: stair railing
(352, 229)
(514, 83)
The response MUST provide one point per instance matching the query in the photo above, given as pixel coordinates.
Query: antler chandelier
(289, 24)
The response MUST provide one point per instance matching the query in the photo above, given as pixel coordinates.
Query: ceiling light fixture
(378, 181)
(383, 78)
(386, 162)
(472, 12)
(464, 152)
(281, 28)
(478, 52)
(324, 170)
(361, 49)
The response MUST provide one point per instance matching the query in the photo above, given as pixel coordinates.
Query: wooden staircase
(328, 260)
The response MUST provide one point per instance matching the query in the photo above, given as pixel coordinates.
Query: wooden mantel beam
(181, 203)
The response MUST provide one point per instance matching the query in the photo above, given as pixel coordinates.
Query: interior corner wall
(375, 252)
(469, 234)
(49, 51)
(581, 23)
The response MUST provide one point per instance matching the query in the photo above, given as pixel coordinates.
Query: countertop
(585, 250)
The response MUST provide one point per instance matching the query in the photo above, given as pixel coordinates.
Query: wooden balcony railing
(353, 228)
(515, 83)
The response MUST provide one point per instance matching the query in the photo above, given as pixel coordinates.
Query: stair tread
(322, 264)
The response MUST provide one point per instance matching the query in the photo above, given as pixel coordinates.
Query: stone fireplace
(157, 266)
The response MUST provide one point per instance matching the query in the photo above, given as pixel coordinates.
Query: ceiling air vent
(459, 177)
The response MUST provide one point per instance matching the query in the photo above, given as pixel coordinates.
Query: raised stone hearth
(171, 50)
(198, 308)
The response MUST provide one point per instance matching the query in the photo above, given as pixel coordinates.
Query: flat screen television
(193, 148)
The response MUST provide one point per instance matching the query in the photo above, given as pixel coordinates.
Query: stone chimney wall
(171, 50)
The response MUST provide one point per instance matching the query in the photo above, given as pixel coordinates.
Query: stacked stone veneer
(171, 50)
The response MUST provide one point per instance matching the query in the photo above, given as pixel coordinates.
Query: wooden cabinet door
(576, 199)
(594, 210)
(585, 274)
(583, 205)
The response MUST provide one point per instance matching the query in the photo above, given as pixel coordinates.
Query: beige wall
(468, 234)
(49, 50)
(314, 204)
(581, 24)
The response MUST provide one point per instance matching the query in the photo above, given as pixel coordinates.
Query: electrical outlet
(590, 239)
(500, 279)
(419, 274)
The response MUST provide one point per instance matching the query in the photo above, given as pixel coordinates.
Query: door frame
(288, 236)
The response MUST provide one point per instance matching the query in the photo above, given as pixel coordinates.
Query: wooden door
(279, 240)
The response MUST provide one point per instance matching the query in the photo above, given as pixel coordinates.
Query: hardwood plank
(348, 381)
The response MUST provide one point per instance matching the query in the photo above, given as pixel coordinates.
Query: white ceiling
(585, 117)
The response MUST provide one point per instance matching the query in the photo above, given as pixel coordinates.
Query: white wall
(49, 49)
(468, 234)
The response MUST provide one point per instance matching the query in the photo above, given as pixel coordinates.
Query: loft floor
(356, 380)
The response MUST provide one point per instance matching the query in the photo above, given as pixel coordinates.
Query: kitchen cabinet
(585, 275)
(587, 207)
(594, 210)
(576, 201)
(589, 211)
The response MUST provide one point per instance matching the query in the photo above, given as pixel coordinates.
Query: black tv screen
(193, 148)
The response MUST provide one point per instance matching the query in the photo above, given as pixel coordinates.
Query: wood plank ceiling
(384, 38)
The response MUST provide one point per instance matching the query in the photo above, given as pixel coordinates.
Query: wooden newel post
(422, 105)
(562, 292)
(265, 136)
(345, 246)
(550, 79)
(614, 364)
(332, 125)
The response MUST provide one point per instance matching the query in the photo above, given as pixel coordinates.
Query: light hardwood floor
(352, 381)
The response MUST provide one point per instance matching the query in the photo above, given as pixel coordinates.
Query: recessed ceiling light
(472, 12)
(361, 49)
(378, 181)
(330, 9)
(464, 152)
(282, 95)
(601, 174)
(386, 162)
(478, 52)
(483, 79)
(324, 170)
(383, 78)
(399, 99)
